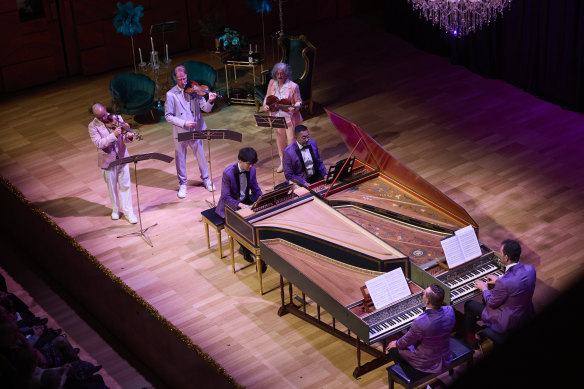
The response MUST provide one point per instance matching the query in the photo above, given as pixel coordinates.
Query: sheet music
(461, 247)
(388, 288)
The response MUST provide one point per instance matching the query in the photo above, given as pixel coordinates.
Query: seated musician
(239, 189)
(426, 345)
(508, 305)
(301, 159)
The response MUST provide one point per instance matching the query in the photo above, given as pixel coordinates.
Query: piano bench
(396, 373)
(210, 218)
(496, 337)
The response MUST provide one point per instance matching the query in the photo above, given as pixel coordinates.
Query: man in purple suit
(508, 304)
(301, 160)
(426, 345)
(239, 189)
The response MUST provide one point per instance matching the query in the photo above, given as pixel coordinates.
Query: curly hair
(282, 66)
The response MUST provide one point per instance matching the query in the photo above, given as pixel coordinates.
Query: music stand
(271, 122)
(135, 158)
(210, 134)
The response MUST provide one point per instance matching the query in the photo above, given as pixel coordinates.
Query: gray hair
(282, 66)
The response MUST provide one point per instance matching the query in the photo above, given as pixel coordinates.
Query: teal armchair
(300, 54)
(132, 94)
(200, 72)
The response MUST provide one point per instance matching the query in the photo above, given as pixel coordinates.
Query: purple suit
(294, 166)
(230, 188)
(508, 304)
(426, 346)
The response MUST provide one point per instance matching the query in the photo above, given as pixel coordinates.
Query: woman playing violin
(282, 89)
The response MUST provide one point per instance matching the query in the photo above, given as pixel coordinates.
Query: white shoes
(182, 192)
(209, 185)
(132, 218)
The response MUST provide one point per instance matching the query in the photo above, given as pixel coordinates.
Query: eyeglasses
(305, 137)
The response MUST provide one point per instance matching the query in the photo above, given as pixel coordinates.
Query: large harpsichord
(333, 235)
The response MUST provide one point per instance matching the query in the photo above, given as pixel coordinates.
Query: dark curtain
(538, 46)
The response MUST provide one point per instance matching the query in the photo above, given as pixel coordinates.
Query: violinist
(107, 135)
(282, 88)
(183, 111)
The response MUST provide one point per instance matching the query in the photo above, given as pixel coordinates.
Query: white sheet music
(388, 288)
(461, 247)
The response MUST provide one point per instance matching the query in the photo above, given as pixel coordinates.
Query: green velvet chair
(200, 72)
(132, 93)
(299, 53)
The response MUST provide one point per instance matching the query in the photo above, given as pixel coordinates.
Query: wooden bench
(411, 378)
(210, 218)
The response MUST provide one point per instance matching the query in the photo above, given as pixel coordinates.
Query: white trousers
(118, 187)
(180, 158)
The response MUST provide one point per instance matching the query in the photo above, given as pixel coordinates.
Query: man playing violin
(110, 139)
(282, 88)
(183, 111)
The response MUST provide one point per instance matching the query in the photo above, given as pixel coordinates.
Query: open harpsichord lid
(367, 150)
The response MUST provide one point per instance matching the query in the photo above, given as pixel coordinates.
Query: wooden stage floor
(513, 161)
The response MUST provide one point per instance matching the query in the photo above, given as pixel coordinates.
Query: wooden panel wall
(35, 52)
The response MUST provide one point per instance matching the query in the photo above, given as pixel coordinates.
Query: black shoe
(248, 257)
(241, 250)
(264, 267)
(472, 346)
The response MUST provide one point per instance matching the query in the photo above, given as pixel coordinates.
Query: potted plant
(213, 27)
(232, 42)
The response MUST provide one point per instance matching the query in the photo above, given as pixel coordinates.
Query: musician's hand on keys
(242, 205)
(480, 285)
(190, 124)
(491, 278)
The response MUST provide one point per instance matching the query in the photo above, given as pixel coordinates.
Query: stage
(513, 161)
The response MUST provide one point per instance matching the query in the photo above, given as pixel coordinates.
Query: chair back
(132, 93)
(200, 72)
(300, 54)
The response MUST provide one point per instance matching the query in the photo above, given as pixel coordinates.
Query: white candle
(167, 52)
(152, 43)
(140, 51)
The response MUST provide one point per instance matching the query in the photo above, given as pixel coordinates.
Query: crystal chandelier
(460, 17)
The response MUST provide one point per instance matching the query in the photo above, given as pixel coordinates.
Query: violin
(275, 103)
(193, 88)
(112, 122)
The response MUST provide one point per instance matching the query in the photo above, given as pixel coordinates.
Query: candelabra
(153, 67)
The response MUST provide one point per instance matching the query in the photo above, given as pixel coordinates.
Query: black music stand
(271, 122)
(135, 158)
(208, 135)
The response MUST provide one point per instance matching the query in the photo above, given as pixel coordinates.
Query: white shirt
(242, 183)
(307, 158)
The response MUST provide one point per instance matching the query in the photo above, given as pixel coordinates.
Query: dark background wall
(64, 38)
(537, 46)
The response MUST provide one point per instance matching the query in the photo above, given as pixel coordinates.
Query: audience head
(434, 295)
(281, 72)
(512, 249)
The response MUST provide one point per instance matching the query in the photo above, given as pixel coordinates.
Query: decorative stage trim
(116, 280)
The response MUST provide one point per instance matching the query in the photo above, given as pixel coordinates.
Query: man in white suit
(111, 145)
(183, 111)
